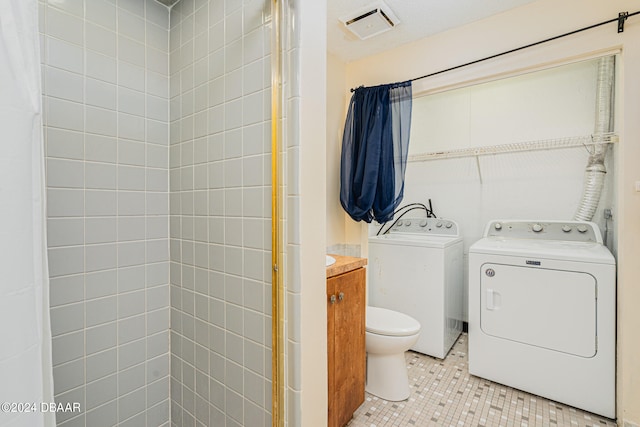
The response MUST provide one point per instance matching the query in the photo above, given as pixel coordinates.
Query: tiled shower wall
(105, 81)
(220, 212)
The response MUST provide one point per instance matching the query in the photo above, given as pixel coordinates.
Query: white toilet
(388, 335)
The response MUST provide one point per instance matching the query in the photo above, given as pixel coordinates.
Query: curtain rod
(622, 17)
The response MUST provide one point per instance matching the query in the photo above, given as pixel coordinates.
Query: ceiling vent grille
(370, 21)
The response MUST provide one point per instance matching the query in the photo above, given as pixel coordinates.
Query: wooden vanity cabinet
(346, 347)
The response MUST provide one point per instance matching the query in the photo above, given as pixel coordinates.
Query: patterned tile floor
(443, 394)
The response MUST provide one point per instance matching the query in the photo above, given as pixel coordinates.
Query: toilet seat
(386, 322)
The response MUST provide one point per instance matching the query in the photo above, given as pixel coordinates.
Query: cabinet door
(347, 355)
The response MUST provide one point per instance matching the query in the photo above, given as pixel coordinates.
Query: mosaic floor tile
(444, 394)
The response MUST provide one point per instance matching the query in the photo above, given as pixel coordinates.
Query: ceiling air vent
(370, 21)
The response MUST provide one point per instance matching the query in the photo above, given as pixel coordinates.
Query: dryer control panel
(431, 226)
(572, 231)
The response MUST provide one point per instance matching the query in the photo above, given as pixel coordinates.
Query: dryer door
(553, 309)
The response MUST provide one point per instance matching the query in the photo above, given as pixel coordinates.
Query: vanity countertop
(344, 264)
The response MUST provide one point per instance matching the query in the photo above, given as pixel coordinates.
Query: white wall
(522, 26)
(529, 185)
(336, 112)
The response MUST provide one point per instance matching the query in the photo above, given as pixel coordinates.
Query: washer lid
(415, 239)
(391, 323)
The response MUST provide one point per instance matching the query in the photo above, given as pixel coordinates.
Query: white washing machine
(417, 269)
(542, 311)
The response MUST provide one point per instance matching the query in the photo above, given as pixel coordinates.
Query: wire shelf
(588, 142)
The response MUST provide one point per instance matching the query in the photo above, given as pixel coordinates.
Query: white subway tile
(131, 127)
(107, 413)
(233, 55)
(131, 102)
(100, 257)
(130, 254)
(131, 202)
(101, 337)
(101, 391)
(233, 144)
(157, 132)
(67, 318)
(131, 51)
(131, 153)
(131, 76)
(134, 7)
(157, 203)
(64, 84)
(200, 46)
(131, 329)
(101, 203)
(253, 44)
(157, 108)
(68, 376)
(65, 202)
(100, 310)
(252, 77)
(131, 278)
(66, 290)
(65, 55)
(66, 348)
(101, 121)
(233, 84)
(101, 94)
(101, 12)
(157, 14)
(65, 232)
(65, 173)
(252, 108)
(156, 179)
(157, 85)
(64, 26)
(157, 227)
(100, 284)
(100, 176)
(65, 143)
(157, 61)
(131, 228)
(131, 304)
(100, 230)
(233, 114)
(101, 67)
(131, 178)
(101, 365)
(131, 26)
(65, 114)
(101, 40)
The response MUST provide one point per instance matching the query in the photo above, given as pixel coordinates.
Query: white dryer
(417, 269)
(542, 311)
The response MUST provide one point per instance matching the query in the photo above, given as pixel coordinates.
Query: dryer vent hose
(595, 172)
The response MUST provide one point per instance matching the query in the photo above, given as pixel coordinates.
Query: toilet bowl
(388, 335)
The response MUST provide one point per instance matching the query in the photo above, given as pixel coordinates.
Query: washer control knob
(407, 223)
(497, 226)
(582, 228)
(449, 225)
(439, 224)
(537, 228)
(423, 223)
(566, 228)
(400, 222)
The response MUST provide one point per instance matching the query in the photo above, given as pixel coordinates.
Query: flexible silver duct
(595, 172)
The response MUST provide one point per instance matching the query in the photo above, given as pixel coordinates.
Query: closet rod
(622, 17)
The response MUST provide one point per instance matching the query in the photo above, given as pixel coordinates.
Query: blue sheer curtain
(374, 151)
